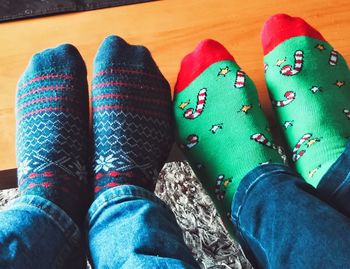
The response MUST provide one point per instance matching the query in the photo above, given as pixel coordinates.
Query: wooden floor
(169, 28)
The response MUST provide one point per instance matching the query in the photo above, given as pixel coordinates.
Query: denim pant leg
(129, 227)
(35, 233)
(281, 223)
(334, 187)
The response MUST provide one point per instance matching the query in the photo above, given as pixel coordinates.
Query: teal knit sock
(132, 127)
(52, 129)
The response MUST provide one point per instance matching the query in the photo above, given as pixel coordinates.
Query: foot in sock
(220, 124)
(52, 129)
(132, 129)
(308, 84)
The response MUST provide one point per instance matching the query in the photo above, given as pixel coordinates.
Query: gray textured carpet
(196, 215)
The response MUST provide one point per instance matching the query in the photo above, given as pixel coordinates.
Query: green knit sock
(220, 125)
(308, 84)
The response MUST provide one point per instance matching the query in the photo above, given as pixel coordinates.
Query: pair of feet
(131, 124)
(222, 129)
(219, 122)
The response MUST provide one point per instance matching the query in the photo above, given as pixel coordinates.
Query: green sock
(308, 84)
(220, 124)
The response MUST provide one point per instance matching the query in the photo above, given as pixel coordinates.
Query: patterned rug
(196, 215)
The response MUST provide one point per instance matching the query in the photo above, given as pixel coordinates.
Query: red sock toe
(205, 54)
(281, 27)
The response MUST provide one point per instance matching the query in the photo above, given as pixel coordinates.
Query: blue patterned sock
(132, 129)
(52, 129)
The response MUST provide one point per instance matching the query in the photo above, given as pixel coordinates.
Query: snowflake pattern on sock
(52, 127)
(132, 128)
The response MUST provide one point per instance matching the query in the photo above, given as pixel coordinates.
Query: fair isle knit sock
(309, 83)
(132, 129)
(220, 124)
(52, 129)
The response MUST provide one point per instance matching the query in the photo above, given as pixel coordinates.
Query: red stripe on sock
(125, 70)
(43, 77)
(34, 175)
(45, 88)
(281, 27)
(48, 174)
(98, 176)
(47, 185)
(124, 84)
(205, 54)
(114, 174)
(131, 97)
(108, 185)
(43, 184)
(97, 189)
(45, 99)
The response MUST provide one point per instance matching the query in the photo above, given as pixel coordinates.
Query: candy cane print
(191, 113)
(260, 138)
(290, 96)
(347, 113)
(266, 66)
(287, 70)
(333, 57)
(192, 141)
(296, 154)
(240, 79)
(218, 192)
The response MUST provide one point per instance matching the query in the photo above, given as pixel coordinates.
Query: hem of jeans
(250, 180)
(61, 220)
(114, 194)
(248, 183)
(334, 179)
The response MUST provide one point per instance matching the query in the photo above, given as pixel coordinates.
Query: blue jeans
(280, 221)
(128, 227)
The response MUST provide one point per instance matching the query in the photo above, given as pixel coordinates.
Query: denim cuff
(336, 182)
(254, 177)
(120, 194)
(57, 216)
